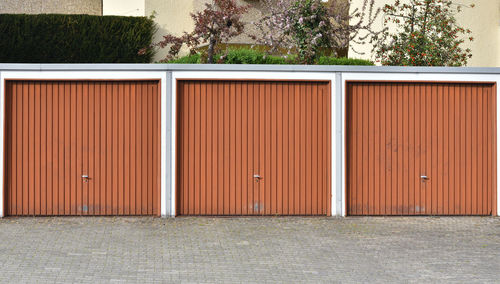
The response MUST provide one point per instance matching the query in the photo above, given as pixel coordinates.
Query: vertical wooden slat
(77, 151)
(90, 113)
(115, 174)
(252, 138)
(21, 119)
(278, 110)
(388, 147)
(297, 147)
(84, 205)
(303, 146)
(49, 146)
(238, 185)
(209, 149)
(217, 146)
(203, 150)
(439, 109)
(244, 150)
(144, 149)
(223, 149)
(451, 150)
(105, 149)
(413, 175)
(43, 148)
(286, 149)
(397, 207)
(370, 167)
(394, 149)
(418, 120)
(468, 149)
(445, 148)
(423, 145)
(123, 190)
(98, 181)
(480, 153)
(474, 154)
(375, 208)
(226, 128)
(232, 150)
(36, 149)
(27, 90)
(195, 159)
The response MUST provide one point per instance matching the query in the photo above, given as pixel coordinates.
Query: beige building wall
(173, 16)
(483, 20)
(91, 7)
(123, 8)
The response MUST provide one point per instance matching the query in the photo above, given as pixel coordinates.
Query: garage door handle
(424, 177)
(85, 178)
(258, 177)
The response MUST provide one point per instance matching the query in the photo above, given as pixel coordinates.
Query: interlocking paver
(249, 250)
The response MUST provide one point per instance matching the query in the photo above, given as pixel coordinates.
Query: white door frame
(239, 75)
(415, 77)
(88, 75)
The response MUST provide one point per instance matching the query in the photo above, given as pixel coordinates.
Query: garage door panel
(59, 131)
(268, 129)
(443, 131)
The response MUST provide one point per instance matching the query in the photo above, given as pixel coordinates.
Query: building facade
(91, 7)
(203, 139)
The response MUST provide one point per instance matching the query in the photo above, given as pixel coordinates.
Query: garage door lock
(85, 178)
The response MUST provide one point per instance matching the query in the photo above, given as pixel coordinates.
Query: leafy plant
(312, 28)
(53, 38)
(218, 22)
(250, 56)
(325, 60)
(427, 35)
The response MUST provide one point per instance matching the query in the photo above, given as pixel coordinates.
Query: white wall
(123, 8)
(483, 20)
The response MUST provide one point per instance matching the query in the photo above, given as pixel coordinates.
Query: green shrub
(188, 59)
(53, 38)
(251, 56)
(324, 60)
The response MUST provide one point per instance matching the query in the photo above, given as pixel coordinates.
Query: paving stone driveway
(245, 250)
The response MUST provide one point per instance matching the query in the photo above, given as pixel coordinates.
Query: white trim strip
(425, 77)
(262, 76)
(93, 75)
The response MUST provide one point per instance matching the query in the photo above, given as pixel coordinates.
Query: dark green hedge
(250, 56)
(52, 38)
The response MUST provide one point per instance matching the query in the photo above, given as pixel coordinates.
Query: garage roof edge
(246, 67)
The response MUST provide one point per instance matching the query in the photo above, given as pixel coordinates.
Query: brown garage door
(59, 132)
(421, 149)
(253, 148)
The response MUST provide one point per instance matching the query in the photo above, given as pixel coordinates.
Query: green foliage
(325, 60)
(426, 34)
(309, 27)
(188, 59)
(52, 38)
(244, 56)
(250, 56)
